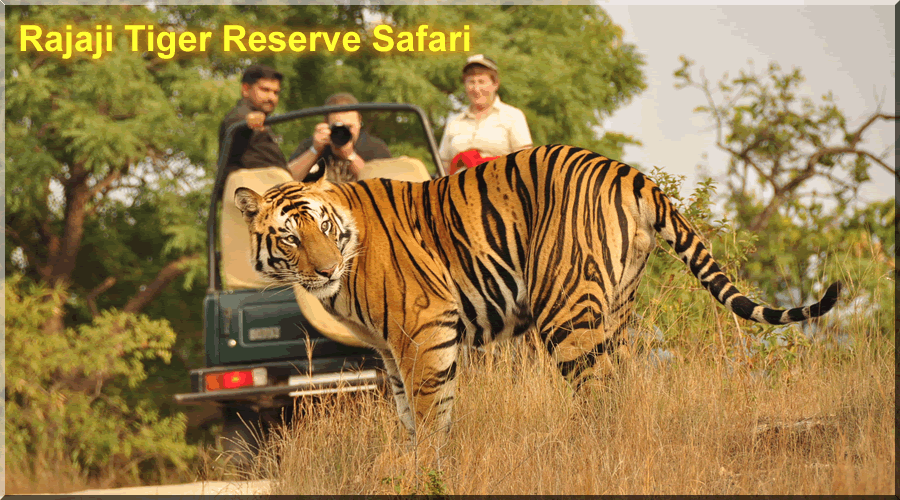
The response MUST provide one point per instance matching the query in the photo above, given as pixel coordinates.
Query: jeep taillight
(236, 379)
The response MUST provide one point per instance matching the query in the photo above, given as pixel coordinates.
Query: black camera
(340, 134)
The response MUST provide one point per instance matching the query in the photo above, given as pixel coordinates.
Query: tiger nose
(326, 272)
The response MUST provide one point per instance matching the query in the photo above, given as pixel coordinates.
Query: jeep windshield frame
(212, 222)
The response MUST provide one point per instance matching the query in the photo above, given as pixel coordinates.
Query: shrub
(74, 400)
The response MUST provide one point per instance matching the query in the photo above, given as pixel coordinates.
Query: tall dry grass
(704, 423)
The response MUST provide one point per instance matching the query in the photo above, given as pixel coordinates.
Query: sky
(848, 50)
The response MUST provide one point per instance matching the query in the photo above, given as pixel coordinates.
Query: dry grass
(60, 476)
(53, 479)
(703, 424)
(811, 419)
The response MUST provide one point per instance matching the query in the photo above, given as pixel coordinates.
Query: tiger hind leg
(588, 345)
(432, 390)
(585, 356)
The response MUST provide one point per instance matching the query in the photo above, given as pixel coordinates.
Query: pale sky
(848, 50)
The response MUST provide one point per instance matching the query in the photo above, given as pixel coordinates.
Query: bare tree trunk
(77, 196)
(64, 248)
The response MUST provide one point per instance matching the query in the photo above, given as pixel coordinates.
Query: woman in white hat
(487, 128)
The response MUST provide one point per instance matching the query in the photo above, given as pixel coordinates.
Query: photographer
(337, 146)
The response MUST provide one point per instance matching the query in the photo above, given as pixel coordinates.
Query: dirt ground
(199, 488)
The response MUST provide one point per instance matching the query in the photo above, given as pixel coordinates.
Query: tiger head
(298, 237)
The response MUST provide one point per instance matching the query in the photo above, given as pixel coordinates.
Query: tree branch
(104, 183)
(48, 237)
(856, 136)
(745, 157)
(91, 297)
(77, 197)
(878, 161)
(40, 60)
(843, 185)
(760, 221)
(101, 187)
(166, 275)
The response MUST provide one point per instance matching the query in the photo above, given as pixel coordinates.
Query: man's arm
(347, 152)
(520, 135)
(302, 160)
(241, 138)
(309, 151)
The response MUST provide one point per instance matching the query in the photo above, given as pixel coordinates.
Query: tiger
(553, 238)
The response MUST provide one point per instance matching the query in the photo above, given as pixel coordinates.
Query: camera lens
(340, 134)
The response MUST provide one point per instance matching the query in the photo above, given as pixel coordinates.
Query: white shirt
(501, 132)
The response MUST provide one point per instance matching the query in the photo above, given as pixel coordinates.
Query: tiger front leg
(427, 363)
(399, 392)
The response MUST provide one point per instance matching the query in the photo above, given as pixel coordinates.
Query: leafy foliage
(428, 482)
(70, 397)
(675, 300)
(532, 44)
(97, 145)
(793, 177)
(534, 48)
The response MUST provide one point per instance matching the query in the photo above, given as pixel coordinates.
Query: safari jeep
(262, 351)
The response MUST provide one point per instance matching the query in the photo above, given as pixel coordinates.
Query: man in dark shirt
(255, 161)
(256, 146)
(311, 158)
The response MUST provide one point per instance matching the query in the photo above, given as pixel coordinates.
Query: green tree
(104, 210)
(780, 140)
(95, 146)
(795, 169)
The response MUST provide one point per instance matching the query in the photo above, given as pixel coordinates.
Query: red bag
(467, 159)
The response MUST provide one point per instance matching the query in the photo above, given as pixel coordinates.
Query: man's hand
(346, 151)
(321, 137)
(255, 120)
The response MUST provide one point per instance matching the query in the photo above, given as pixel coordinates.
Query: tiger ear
(320, 182)
(247, 201)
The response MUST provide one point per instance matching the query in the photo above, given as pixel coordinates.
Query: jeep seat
(403, 168)
(233, 234)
